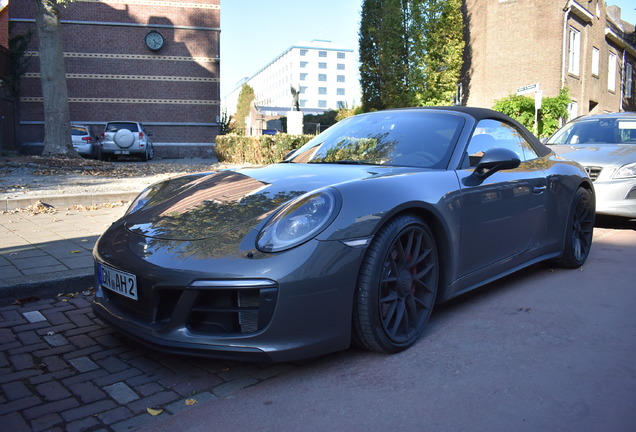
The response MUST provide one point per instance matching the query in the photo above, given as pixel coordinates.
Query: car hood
(232, 202)
(604, 155)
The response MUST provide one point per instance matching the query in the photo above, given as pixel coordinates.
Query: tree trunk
(57, 118)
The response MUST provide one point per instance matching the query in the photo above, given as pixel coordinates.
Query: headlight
(300, 220)
(626, 171)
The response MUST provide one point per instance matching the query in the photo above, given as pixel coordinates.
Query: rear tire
(397, 286)
(579, 230)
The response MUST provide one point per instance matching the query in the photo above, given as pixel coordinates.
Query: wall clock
(154, 40)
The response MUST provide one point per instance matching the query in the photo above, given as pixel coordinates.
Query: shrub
(259, 150)
(553, 112)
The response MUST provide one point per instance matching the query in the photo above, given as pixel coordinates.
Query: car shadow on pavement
(615, 222)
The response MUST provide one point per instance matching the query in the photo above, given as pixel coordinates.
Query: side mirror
(495, 159)
(150, 134)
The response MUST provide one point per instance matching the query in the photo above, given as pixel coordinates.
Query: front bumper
(264, 307)
(616, 197)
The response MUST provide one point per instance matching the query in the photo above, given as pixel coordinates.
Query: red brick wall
(112, 75)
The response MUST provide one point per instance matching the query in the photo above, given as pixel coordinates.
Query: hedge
(259, 150)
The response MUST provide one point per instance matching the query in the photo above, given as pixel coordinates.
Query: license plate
(125, 152)
(118, 281)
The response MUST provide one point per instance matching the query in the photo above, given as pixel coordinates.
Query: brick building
(582, 45)
(7, 129)
(154, 61)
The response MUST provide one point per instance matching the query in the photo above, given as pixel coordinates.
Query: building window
(322, 53)
(629, 79)
(303, 76)
(322, 77)
(573, 110)
(322, 104)
(303, 52)
(611, 72)
(303, 89)
(303, 64)
(340, 66)
(341, 104)
(341, 78)
(596, 56)
(322, 65)
(322, 90)
(574, 51)
(302, 103)
(340, 92)
(341, 55)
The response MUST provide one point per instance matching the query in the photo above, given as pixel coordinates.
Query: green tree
(439, 47)
(57, 117)
(369, 46)
(410, 52)
(245, 99)
(394, 55)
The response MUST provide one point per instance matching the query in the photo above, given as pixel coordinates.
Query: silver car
(605, 145)
(83, 140)
(123, 138)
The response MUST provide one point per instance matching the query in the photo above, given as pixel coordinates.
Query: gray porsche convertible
(354, 237)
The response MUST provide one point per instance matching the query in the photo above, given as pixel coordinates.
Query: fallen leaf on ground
(22, 300)
(154, 411)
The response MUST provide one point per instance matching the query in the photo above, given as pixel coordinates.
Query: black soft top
(485, 113)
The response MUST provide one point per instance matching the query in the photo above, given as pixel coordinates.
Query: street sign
(527, 89)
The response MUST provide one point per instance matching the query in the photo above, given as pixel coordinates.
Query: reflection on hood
(207, 206)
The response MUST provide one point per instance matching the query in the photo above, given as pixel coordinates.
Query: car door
(505, 214)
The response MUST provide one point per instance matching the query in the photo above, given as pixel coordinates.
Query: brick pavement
(62, 369)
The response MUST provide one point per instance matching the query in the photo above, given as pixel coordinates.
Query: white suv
(124, 139)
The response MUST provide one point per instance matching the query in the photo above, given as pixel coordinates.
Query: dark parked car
(605, 145)
(355, 236)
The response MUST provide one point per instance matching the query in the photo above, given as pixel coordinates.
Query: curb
(48, 285)
(9, 204)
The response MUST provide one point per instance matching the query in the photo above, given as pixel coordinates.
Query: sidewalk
(46, 254)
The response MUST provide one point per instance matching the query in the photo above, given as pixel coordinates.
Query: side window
(494, 133)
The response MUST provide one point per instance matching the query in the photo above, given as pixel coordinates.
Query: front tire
(580, 229)
(397, 286)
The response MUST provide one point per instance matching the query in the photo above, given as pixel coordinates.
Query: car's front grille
(593, 171)
(217, 309)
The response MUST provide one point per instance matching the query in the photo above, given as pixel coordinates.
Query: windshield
(595, 131)
(114, 127)
(419, 138)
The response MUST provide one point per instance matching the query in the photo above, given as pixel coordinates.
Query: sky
(255, 32)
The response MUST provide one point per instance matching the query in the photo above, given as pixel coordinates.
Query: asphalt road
(545, 349)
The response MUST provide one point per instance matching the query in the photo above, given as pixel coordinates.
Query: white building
(326, 75)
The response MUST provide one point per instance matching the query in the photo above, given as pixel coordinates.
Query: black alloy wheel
(578, 237)
(397, 286)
